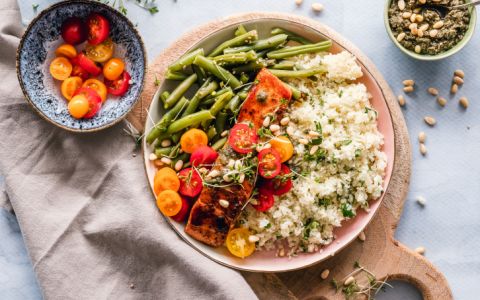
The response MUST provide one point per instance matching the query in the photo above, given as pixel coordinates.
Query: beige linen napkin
(86, 213)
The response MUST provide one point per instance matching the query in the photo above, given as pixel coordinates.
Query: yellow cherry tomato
(169, 202)
(60, 68)
(192, 139)
(78, 106)
(165, 179)
(113, 68)
(97, 86)
(101, 52)
(66, 50)
(69, 86)
(238, 243)
(283, 146)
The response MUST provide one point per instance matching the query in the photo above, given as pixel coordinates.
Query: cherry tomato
(284, 147)
(269, 163)
(101, 52)
(203, 155)
(87, 64)
(94, 101)
(66, 50)
(78, 106)
(169, 202)
(183, 213)
(77, 70)
(113, 69)
(190, 182)
(238, 242)
(193, 139)
(74, 31)
(97, 86)
(119, 86)
(69, 86)
(282, 183)
(265, 200)
(242, 138)
(165, 179)
(60, 68)
(98, 28)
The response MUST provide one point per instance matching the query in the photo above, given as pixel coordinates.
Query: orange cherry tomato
(101, 52)
(165, 179)
(78, 106)
(169, 202)
(69, 86)
(113, 68)
(60, 68)
(283, 146)
(238, 243)
(192, 139)
(97, 86)
(66, 50)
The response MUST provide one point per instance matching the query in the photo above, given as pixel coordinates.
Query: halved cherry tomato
(70, 86)
(269, 163)
(183, 213)
(97, 86)
(98, 28)
(66, 50)
(101, 52)
(190, 182)
(165, 179)
(113, 68)
(119, 86)
(283, 146)
(74, 31)
(238, 242)
(265, 200)
(169, 202)
(87, 64)
(203, 155)
(77, 70)
(193, 139)
(242, 138)
(282, 183)
(78, 106)
(60, 68)
(94, 101)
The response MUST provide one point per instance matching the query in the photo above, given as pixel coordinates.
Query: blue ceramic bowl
(36, 50)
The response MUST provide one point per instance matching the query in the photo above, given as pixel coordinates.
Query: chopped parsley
(347, 210)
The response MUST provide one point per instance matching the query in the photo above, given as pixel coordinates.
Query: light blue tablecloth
(449, 225)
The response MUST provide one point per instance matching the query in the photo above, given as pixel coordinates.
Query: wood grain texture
(380, 253)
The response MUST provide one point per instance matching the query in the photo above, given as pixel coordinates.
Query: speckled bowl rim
(459, 46)
(87, 2)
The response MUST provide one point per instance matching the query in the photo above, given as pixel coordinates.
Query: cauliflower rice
(342, 172)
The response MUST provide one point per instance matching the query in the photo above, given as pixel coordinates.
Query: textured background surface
(447, 177)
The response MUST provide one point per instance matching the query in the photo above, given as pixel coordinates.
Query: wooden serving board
(380, 253)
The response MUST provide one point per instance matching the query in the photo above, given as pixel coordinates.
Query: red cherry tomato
(183, 213)
(281, 184)
(74, 31)
(190, 182)
(242, 138)
(87, 64)
(269, 163)
(265, 200)
(98, 28)
(94, 101)
(118, 87)
(77, 70)
(203, 155)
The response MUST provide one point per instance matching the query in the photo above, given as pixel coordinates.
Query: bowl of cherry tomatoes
(81, 65)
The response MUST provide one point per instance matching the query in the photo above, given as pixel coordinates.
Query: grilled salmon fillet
(209, 222)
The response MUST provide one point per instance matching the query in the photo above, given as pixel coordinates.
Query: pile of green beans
(213, 84)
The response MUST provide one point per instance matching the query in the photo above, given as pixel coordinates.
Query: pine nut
(401, 36)
(152, 156)
(313, 150)
(414, 31)
(458, 80)
(421, 200)
(408, 89)
(349, 281)
(313, 134)
(213, 173)
(422, 1)
(420, 250)
(422, 137)
(401, 100)
(158, 163)
(430, 120)
(224, 133)
(274, 127)
(413, 17)
(290, 130)
(231, 163)
(253, 239)
(459, 73)
(441, 101)
(324, 274)
(266, 121)
(406, 15)
(454, 88)
(424, 27)
(433, 33)
(464, 102)
(432, 91)
(178, 165)
(238, 165)
(420, 33)
(166, 143)
(419, 18)
(423, 149)
(281, 252)
(317, 7)
(227, 178)
(303, 141)
(362, 236)
(418, 49)
(417, 10)
(412, 26)
(241, 178)
(223, 203)
(401, 4)
(285, 121)
(166, 160)
(408, 82)
(298, 2)
(203, 170)
(438, 25)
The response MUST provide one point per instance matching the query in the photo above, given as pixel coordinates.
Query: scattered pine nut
(415, 30)
(441, 101)
(422, 1)
(458, 80)
(223, 203)
(253, 239)
(408, 89)
(422, 137)
(303, 141)
(362, 236)
(464, 102)
(420, 33)
(413, 17)
(317, 7)
(420, 250)
(408, 82)
(454, 88)
(419, 18)
(401, 100)
(166, 160)
(224, 133)
(459, 73)
(430, 120)
(412, 26)
(290, 130)
(418, 49)
(158, 163)
(298, 2)
(432, 91)
(407, 15)
(281, 253)
(274, 127)
(285, 121)
(421, 200)
(324, 274)
(349, 281)
(266, 121)
(438, 25)
(166, 143)
(401, 4)
(433, 33)
(178, 165)
(152, 156)
(423, 149)
(424, 27)
(401, 36)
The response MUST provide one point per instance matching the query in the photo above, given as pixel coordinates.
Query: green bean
(207, 88)
(164, 122)
(298, 73)
(174, 152)
(185, 157)
(293, 51)
(190, 120)
(245, 38)
(235, 58)
(219, 144)
(217, 71)
(164, 96)
(250, 67)
(175, 75)
(201, 76)
(211, 132)
(159, 152)
(244, 78)
(271, 42)
(176, 137)
(284, 65)
(296, 93)
(219, 104)
(221, 121)
(291, 36)
(215, 94)
(207, 103)
(179, 91)
(300, 47)
(240, 30)
(185, 60)
(235, 102)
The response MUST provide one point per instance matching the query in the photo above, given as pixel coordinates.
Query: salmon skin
(209, 222)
